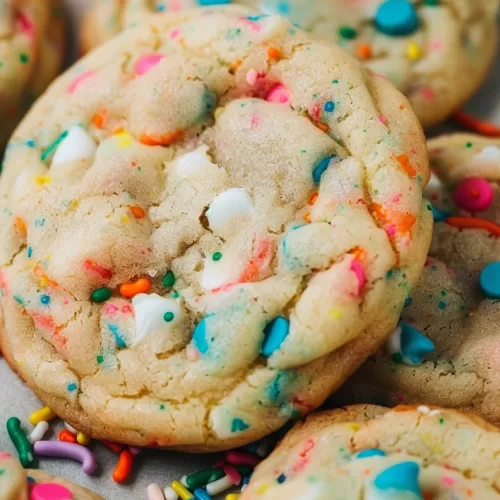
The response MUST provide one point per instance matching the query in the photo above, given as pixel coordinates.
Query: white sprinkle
(77, 145)
(222, 484)
(39, 431)
(70, 429)
(170, 494)
(432, 413)
(183, 481)
(154, 492)
(423, 409)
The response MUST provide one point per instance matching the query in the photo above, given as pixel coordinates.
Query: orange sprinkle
(138, 212)
(473, 222)
(406, 165)
(20, 225)
(130, 290)
(405, 222)
(323, 127)
(118, 130)
(359, 254)
(365, 51)
(99, 119)
(123, 467)
(402, 408)
(476, 125)
(307, 217)
(274, 53)
(313, 198)
(163, 140)
(67, 436)
(236, 64)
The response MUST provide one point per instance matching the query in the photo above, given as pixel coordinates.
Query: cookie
(445, 350)
(436, 52)
(207, 225)
(370, 452)
(19, 484)
(31, 52)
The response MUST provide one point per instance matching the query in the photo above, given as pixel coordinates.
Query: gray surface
(154, 466)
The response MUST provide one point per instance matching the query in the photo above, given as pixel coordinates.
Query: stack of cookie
(213, 220)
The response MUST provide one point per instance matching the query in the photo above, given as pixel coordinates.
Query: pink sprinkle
(449, 481)
(127, 309)
(135, 450)
(427, 93)
(391, 231)
(78, 80)
(255, 120)
(4, 454)
(280, 94)
(232, 473)
(175, 33)
(147, 62)
(358, 269)
(192, 353)
(25, 25)
(252, 76)
(436, 45)
(50, 491)
(383, 119)
(252, 24)
(110, 309)
(242, 458)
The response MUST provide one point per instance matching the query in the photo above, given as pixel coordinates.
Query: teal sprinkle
(72, 387)
(31, 143)
(238, 425)
(39, 223)
(30, 252)
(408, 301)
(19, 300)
(54, 145)
(120, 341)
(442, 305)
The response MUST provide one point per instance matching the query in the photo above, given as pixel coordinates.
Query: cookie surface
(178, 262)
(436, 52)
(31, 53)
(19, 484)
(455, 304)
(370, 452)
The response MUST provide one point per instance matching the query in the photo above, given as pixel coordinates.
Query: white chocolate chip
(77, 145)
(229, 204)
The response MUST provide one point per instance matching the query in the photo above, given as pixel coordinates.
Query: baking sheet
(152, 465)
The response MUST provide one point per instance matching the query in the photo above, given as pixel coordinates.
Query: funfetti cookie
(437, 52)
(31, 53)
(17, 483)
(372, 453)
(446, 350)
(206, 226)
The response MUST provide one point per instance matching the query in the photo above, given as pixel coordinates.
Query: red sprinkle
(242, 458)
(233, 474)
(123, 467)
(66, 436)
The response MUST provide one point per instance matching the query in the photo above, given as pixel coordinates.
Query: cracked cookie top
(436, 52)
(31, 52)
(19, 484)
(455, 306)
(370, 452)
(196, 219)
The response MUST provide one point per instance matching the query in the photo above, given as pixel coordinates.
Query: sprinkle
(364, 51)
(216, 256)
(396, 18)
(82, 439)
(217, 487)
(184, 493)
(201, 494)
(329, 106)
(413, 51)
(154, 492)
(39, 431)
(67, 450)
(52, 491)
(101, 295)
(232, 473)
(199, 336)
(72, 387)
(439, 215)
(274, 53)
(130, 290)
(232, 496)
(123, 467)
(138, 212)
(489, 280)
(147, 62)
(237, 457)
(77, 145)
(163, 140)
(45, 299)
(321, 167)
(239, 425)
(405, 164)
(474, 194)
(348, 32)
(170, 494)
(372, 452)
(203, 477)
(23, 57)
(275, 333)
(251, 76)
(169, 279)
(279, 93)
(99, 119)
(115, 447)
(79, 80)
(50, 149)
(281, 479)
(476, 125)
(21, 442)
(402, 477)
(91, 266)
(474, 223)
(168, 317)
(66, 436)
(44, 414)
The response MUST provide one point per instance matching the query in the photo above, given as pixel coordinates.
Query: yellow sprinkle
(124, 139)
(124, 218)
(42, 179)
(336, 313)
(44, 281)
(413, 51)
(82, 439)
(232, 496)
(262, 488)
(353, 427)
(184, 493)
(218, 111)
(44, 414)
(48, 257)
(75, 203)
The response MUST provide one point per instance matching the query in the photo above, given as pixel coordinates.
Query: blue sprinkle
(442, 305)
(31, 143)
(161, 8)
(30, 252)
(256, 18)
(281, 479)
(213, 2)
(238, 425)
(39, 222)
(30, 479)
(201, 494)
(72, 387)
(439, 215)
(396, 18)
(120, 341)
(45, 299)
(283, 8)
(54, 145)
(199, 336)
(414, 344)
(372, 452)
(400, 477)
(408, 301)
(275, 333)
(210, 100)
(245, 480)
(329, 106)
(489, 280)
(321, 167)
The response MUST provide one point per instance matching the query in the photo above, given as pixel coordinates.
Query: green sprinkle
(335, 81)
(468, 144)
(441, 420)
(217, 256)
(397, 357)
(23, 58)
(101, 295)
(168, 279)
(54, 145)
(348, 32)
(100, 359)
(431, 3)
(162, 407)
(168, 317)
(203, 477)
